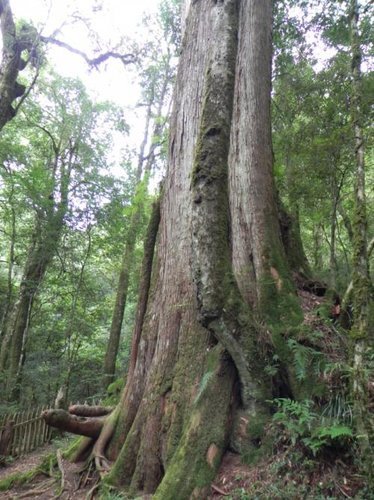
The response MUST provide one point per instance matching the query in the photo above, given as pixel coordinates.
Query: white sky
(117, 18)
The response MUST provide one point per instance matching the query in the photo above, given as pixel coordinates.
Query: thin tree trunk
(346, 220)
(363, 326)
(11, 256)
(332, 260)
(121, 298)
(41, 254)
(317, 247)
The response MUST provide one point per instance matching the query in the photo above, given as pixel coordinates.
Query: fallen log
(83, 426)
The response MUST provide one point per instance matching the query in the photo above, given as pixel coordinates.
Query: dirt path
(27, 462)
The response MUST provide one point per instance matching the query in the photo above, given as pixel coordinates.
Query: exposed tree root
(98, 452)
(96, 423)
(61, 467)
(218, 490)
(37, 491)
(91, 493)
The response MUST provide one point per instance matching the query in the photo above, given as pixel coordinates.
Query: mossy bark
(363, 324)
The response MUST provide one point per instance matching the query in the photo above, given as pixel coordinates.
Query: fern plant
(302, 424)
(306, 360)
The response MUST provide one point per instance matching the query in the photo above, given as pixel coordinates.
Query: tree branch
(95, 61)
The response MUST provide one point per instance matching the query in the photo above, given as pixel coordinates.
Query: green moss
(195, 462)
(73, 448)
(114, 392)
(24, 477)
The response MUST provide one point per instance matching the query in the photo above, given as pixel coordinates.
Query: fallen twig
(218, 490)
(341, 490)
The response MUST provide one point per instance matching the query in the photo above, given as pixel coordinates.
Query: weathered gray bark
(363, 325)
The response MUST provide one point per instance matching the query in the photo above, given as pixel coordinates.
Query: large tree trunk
(10, 89)
(198, 359)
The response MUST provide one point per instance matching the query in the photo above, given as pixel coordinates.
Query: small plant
(306, 360)
(304, 426)
(296, 417)
(240, 494)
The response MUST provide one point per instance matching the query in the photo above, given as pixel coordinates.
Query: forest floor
(67, 482)
(288, 473)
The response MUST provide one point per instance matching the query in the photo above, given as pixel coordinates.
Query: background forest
(78, 177)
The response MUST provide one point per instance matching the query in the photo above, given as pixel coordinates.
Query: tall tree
(156, 81)
(198, 361)
(60, 160)
(363, 327)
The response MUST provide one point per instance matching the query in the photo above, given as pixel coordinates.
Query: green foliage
(303, 425)
(306, 360)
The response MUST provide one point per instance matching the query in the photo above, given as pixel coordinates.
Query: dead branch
(90, 411)
(95, 61)
(218, 490)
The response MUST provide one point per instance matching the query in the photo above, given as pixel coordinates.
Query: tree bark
(363, 325)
